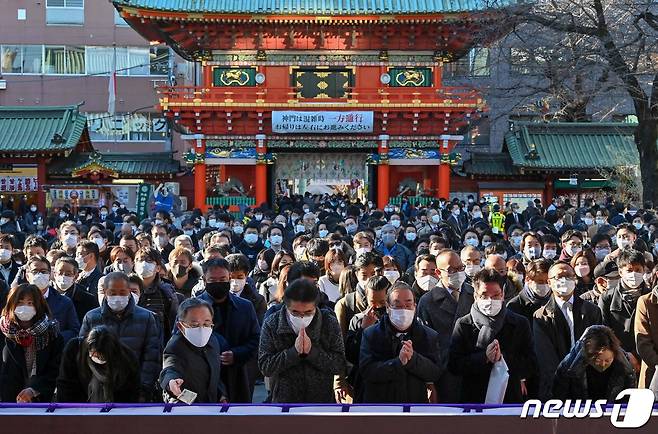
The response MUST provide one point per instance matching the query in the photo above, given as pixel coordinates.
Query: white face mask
(392, 275)
(549, 254)
(532, 253)
(623, 243)
(237, 285)
(118, 303)
(361, 250)
(99, 242)
(97, 360)
(472, 242)
(145, 269)
(298, 323)
(63, 283)
(601, 253)
(276, 240)
(572, 250)
(71, 240)
(563, 286)
(489, 307)
(401, 318)
(427, 282)
(135, 297)
(633, 280)
(540, 289)
(436, 218)
(25, 313)
(251, 238)
(197, 336)
(41, 280)
(472, 269)
(5, 255)
(456, 279)
(582, 270)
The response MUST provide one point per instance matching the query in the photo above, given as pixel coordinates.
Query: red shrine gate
(312, 92)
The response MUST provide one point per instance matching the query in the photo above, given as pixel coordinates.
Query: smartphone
(187, 396)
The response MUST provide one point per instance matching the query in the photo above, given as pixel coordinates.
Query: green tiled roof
(154, 163)
(572, 145)
(312, 7)
(484, 163)
(40, 129)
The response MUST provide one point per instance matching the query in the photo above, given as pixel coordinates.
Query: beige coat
(646, 336)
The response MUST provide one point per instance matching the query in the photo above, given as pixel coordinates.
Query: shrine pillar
(200, 184)
(383, 173)
(443, 190)
(261, 170)
(41, 181)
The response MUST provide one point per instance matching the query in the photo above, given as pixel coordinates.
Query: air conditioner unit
(3, 84)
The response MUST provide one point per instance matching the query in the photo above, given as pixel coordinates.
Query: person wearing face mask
(606, 276)
(182, 272)
(98, 368)
(424, 274)
(399, 356)
(572, 243)
(261, 271)
(530, 247)
(65, 273)
(136, 327)
(595, 368)
(389, 247)
(192, 356)
(32, 346)
(243, 286)
(334, 264)
(69, 235)
(234, 318)
(365, 266)
(363, 242)
(472, 260)
(275, 235)
(392, 270)
(550, 247)
(301, 347)
(87, 256)
(251, 243)
(557, 324)
(9, 268)
(61, 307)
(601, 247)
(450, 299)
(409, 236)
(158, 296)
(536, 291)
(31, 219)
(583, 264)
(619, 302)
(160, 235)
(514, 218)
(488, 334)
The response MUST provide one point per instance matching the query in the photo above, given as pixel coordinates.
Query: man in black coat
(536, 291)
(65, 275)
(619, 302)
(235, 320)
(440, 308)
(559, 323)
(191, 357)
(488, 334)
(399, 355)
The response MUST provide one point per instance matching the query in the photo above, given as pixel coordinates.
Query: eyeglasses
(196, 326)
(451, 270)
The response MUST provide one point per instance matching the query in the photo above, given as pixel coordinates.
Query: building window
(21, 59)
(73, 60)
(65, 12)
(60, 60)
(474, 64)
(133, 127)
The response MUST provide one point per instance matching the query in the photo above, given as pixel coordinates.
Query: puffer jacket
(301, 379)
(570, 380)
(138, 329)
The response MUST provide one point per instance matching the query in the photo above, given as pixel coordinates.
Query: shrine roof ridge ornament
(319, 9)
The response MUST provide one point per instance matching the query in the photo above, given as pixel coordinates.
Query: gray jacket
(306, 379)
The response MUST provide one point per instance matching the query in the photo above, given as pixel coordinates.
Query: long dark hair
(121, 362)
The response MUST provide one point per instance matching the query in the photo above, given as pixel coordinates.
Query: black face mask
(218, 290)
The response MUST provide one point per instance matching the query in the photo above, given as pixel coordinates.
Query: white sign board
(325, 122)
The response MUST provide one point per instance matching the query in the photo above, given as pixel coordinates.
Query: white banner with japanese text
(345, 122)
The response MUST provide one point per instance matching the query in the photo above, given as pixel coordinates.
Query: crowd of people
(329, 299)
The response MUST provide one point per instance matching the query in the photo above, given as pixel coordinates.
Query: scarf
(99, 388)
(488, 326)
(534, 299)
(32, 339)
(38, 335)
(630, 296)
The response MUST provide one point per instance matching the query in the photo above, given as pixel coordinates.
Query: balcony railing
(191, 95)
